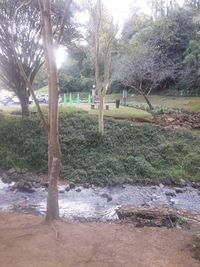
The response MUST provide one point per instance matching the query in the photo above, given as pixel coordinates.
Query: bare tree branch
(63, 21)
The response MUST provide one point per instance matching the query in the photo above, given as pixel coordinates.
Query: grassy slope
(127, 153)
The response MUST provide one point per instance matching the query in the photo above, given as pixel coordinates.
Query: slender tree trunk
(144, 95)
(107, 56)
(148, 102)
(101, 113)
(53, 137)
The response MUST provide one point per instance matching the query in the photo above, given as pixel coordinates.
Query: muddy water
(91, 204)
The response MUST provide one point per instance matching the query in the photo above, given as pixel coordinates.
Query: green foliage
(193, 54)
(23, 144)
(127, 152)
(172, 42)
(156, 108)
(192, 163)
(190, 79)
(40, 78)
(80, 84)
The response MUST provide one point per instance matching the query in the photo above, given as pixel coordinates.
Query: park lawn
(188, 103)
(120, 113)
(9, 111)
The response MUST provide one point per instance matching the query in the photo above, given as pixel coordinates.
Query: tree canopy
(22, 23)
(20, 39)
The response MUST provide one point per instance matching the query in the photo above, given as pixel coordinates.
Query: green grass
(188, 103)
(197, 131)
(8, 110)
(127, 153)
(156, 108)
(121, 113)
(129, 113)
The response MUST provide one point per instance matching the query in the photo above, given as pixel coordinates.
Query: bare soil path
(26, 242)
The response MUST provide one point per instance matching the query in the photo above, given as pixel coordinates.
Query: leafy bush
(23, 144)
(192, 163)
(156, 109)
(131, 153)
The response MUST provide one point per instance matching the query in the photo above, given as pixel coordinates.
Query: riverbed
(100, 203)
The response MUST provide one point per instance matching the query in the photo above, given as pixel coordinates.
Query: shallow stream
(93, 204)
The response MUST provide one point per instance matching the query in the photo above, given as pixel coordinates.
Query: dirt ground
(25, 241)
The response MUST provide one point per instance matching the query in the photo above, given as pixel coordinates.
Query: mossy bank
(127, 153)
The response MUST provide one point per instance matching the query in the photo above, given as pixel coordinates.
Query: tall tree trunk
(24, 101)
(25, 108)
(53, 136)
(107, 56)
(101, 113)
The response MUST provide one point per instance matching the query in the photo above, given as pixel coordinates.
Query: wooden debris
(149, 216)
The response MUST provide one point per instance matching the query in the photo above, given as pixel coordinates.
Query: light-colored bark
(54, 153)
(101, 113)
(97, 44)
(107, 57)
(63, 20)
(53, 137)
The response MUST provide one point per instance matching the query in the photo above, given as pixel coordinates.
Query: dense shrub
(156, 108)
(141, 153)
(23, 144)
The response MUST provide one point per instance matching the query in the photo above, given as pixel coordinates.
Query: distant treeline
(159, 53)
